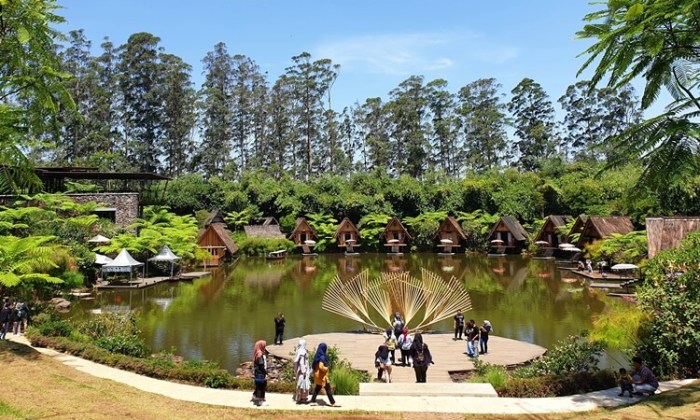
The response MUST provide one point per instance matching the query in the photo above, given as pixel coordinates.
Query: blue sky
(377, 43)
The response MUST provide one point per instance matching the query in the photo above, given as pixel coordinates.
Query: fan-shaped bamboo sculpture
(396, 292)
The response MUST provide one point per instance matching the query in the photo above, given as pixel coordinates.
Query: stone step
(428, 389)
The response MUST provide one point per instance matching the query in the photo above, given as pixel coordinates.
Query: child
(625, 382)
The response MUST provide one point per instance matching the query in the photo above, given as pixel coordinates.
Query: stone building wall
(126, 204)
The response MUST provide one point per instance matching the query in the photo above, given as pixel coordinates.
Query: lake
(220, 317)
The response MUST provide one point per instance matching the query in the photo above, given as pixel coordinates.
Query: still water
(220, 317)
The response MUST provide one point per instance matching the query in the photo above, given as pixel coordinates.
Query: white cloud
(411, 53)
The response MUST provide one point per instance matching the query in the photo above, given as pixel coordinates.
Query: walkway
(448, 355)
(241, 399)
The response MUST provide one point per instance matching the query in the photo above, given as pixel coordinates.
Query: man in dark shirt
(279, 328)
(459, 325)
(472, 333)
(643, 379)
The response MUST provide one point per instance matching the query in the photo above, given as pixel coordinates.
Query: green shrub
(571, 355)
(494, 374)
(109, 324)
(57, 328)
(534, 387)
(345, 380)
(129, 345)
(261, 246)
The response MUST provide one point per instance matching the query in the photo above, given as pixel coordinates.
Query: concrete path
(449, 355)
(241, 399)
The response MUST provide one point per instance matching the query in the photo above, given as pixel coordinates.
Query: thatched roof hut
(347, 232)
(217, 216)
(302, 232)
(450, 229)
(549, 232)
(268, 229)
(508, 235)
(601, 227)
(668, 232)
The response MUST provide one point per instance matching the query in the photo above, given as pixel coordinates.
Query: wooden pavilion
(303, 235)
(668, 232)
(549, 237)
(395, 236)
(216, 239)
(601, 227)
(347, 236)
(507, 236)
(449, 235)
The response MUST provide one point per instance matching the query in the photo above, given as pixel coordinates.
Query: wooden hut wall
(302, 233)
(395, 231)
(668, 232)
(346, 231)
(212, 243)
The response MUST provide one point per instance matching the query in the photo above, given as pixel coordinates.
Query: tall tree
(407, 112)
(658, 40)
(533, 117)
(178, 114)
(593, 116)
(140, 83)
(372, 121)
(215, 112)
(441, 104)
(483, 121)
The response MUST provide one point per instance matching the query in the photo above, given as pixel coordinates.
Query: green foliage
(670, 338)
(123, 344)
(572, 355)
(325, 226)
(496, 375)
(109, 324)
(619, 326)
(261, 246)
(477, 225)
(628, 248)
(237, 219)
(54, 328)
(21, 260)
(346, 380)
(371, 227)
(423, 228)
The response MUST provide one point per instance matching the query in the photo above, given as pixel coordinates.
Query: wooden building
(508, 236)
(601, 227)
(668, 232)
(449, 235)
(549, 237)
(395, 236)
(268, 229)
(216, 239)
(303, 236)
(577, 228)
(347, 235)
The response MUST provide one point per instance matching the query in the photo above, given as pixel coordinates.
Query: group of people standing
(477, 337)
(14, 317)
(413, 351)
(302, 370)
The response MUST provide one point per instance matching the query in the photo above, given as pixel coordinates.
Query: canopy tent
(124, 263)
(102, 259)
(165, 255)
(99, 239)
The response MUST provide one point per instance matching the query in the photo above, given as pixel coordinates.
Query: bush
(494, 374)
(261, 246)
(109, 324)
(346, 381)
(129, 345)
(54, 328)
(572, 355)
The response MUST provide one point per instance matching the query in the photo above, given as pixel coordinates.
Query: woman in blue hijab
(320, 367)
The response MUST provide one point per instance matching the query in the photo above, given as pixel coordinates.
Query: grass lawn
(37, 386)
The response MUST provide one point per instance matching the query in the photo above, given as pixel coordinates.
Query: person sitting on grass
(643, 379)
(625, 382)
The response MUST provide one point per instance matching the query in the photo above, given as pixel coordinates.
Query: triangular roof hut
(510, 233)
(396, 230)
(600, 227)
(302, 232)
(450, 229)
(346, 231)
(668, 232)
(270, 221)
(579, 223)
(216, 216)
(216, 239)
(269, 228)
(123, 263)
(549, 230)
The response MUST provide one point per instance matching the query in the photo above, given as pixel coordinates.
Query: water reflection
(219, 318)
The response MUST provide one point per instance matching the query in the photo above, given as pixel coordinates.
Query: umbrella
(562, 246)
(497, 241)
(624, 267)
(310, 242)
(571, 248)
(446, 241)
(541, 243)
(99, 239)
(392, 241)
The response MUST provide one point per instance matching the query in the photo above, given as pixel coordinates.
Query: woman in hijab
(260, 372)
(301, 372)
(383, 362)
(320, 367)
(405, 343)
(485, 330)
(421, 358)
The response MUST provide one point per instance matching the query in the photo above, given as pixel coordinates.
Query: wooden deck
(595, 275)
(448, 355)
(140, 283)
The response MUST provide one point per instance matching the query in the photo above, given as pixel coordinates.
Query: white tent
(124, 263)
(99, 239)
(102, 259)
(165, 255)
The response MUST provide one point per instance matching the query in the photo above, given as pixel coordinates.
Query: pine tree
(179, 114)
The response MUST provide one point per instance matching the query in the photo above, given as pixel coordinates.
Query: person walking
(459, 325)
(22, 317)
(390, 341)
(260, 372)
(279, 328)
(421, 358)
(302, 372)
(405, 342)
(484, 332)
(5, 320)
(398, 325)
(14, 319)
(321, 367)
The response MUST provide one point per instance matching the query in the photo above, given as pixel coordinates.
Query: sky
(378, 44)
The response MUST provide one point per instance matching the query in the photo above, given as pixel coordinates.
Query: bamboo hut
(508, 236)
(668, 232)
(269, 229)
(216, 239)
(601, 227)
(347, 236)
(549, 237)
(449, 235)
(303, 236)
(395, 236)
